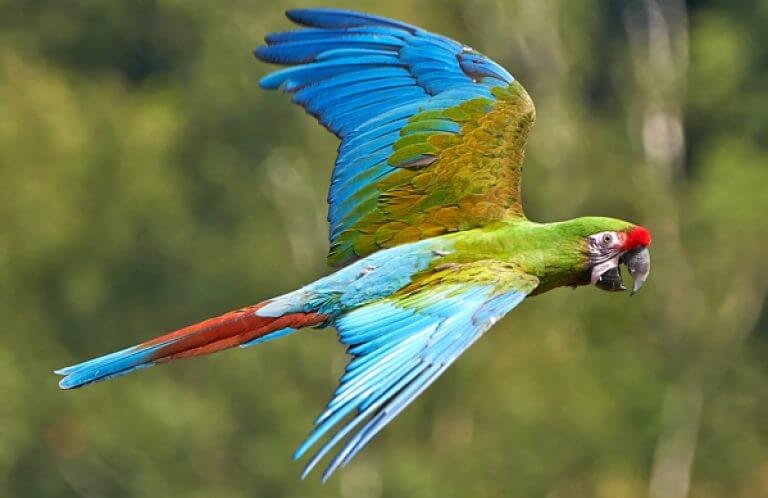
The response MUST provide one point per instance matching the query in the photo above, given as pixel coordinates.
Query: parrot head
(607, 250)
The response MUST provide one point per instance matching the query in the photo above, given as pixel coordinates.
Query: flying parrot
(427, 229)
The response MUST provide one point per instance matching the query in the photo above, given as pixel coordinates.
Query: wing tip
(303, 17)
(272, 81)
(330, 18)
(66, 384)
(259, 51)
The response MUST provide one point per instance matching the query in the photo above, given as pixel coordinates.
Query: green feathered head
(609, 243)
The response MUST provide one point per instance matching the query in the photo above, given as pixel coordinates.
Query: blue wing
(364, 77)
(399, 347)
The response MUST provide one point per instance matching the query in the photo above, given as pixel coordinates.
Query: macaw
(426, 222)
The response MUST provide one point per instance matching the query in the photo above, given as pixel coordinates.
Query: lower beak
(607, 275)
(610, 280)
(638, 263)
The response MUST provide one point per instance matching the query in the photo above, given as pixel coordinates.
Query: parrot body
(426, 221)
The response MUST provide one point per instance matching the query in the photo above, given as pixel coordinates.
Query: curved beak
(633, 252)
(638, 262)
(607, 275)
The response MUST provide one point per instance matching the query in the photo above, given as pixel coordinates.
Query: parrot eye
(605, 239)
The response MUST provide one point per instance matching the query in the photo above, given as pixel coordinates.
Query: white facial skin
(604, 250)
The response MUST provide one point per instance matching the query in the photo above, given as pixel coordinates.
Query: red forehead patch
(637, 237)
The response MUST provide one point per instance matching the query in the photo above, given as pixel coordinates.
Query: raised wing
(432, 133)
(402, 344)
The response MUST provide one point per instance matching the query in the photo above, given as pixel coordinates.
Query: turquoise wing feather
(400, 346)
(432, 132)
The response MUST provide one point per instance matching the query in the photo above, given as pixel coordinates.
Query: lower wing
(401, 345)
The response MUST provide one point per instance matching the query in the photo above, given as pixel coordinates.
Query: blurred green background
(147, 183)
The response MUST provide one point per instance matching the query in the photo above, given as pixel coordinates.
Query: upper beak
(638, 263)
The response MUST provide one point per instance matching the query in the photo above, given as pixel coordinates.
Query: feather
(369, 80)
(308, 34)
(336, 18)
(399, 346)
(302, 52)
(242, 327)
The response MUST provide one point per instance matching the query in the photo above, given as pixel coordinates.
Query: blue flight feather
(337, 18)
(400, 346)
(297, 77)
(335, 89)
(308, 34)
(302, 52)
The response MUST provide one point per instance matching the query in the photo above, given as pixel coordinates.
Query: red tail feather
(226, 331)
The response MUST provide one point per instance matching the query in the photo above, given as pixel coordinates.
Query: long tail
(243, 327)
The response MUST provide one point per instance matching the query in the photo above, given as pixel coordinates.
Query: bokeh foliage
(146, 183)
